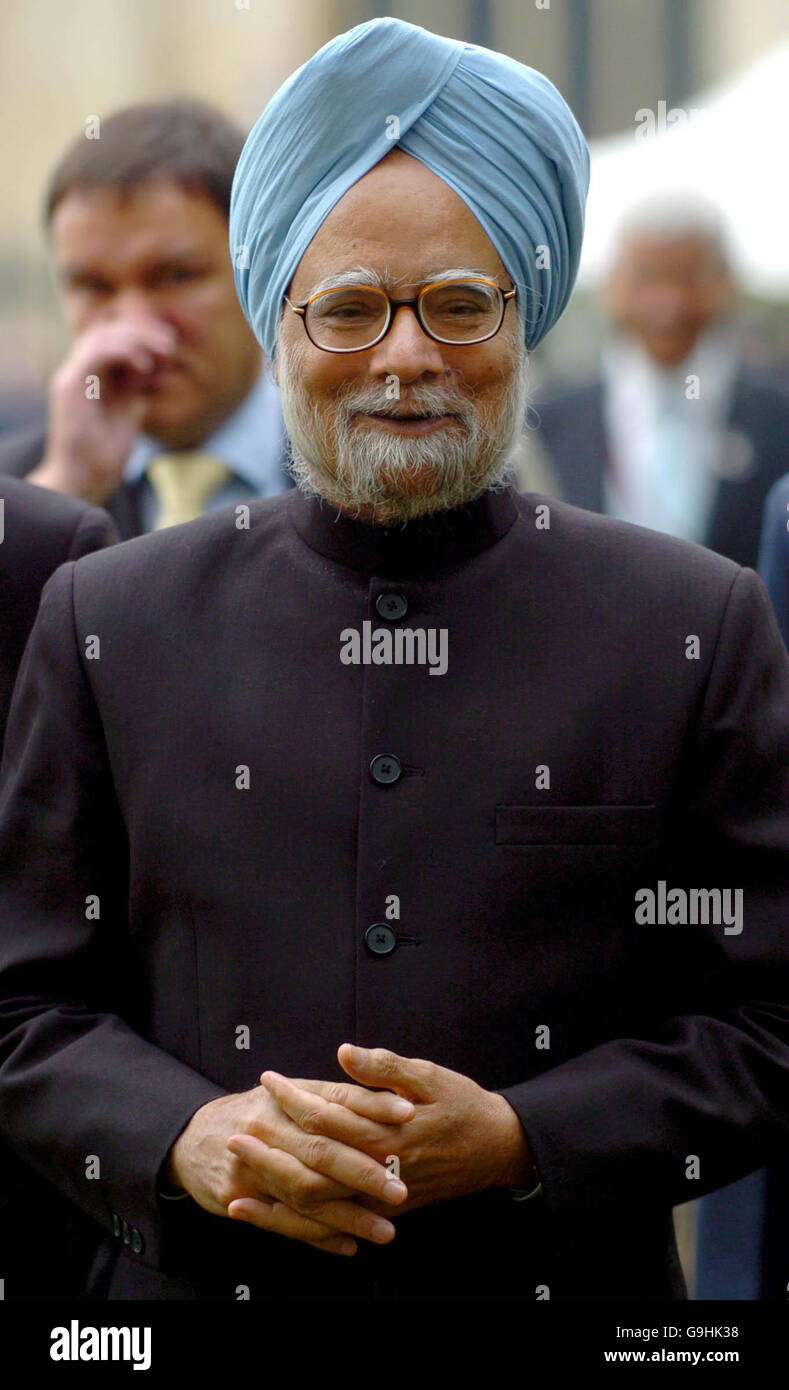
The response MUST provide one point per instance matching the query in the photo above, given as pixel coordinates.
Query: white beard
(371, 473)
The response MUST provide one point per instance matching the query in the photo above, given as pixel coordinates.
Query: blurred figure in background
(47, 1244)
(743, 1229)
(774, 550)
(678, 432)
(165, 406)
(38, 532)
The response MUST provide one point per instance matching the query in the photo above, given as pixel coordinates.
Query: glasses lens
(462, 310)
(347, 318)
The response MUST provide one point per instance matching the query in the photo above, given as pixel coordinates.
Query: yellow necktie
(183, 484)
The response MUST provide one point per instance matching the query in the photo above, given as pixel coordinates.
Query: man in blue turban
(396, 792)
(495, 131)
(495, 134)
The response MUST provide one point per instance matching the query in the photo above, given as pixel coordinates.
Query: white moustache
(425, 402)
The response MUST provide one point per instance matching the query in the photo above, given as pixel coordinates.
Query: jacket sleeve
(84, 1098)
(703, 1099)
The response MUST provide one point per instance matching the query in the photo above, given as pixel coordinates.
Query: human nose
(667, 304)
(132, 303)
(406, 351)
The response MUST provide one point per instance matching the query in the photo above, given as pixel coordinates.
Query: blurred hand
(89, 440)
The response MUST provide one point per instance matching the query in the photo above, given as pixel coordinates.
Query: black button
(117, 1228)
(126, 1233)
(380, 939)
(391, 607)
(138, 1244)
(385, 768)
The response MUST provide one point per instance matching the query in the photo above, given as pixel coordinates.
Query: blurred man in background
(46, 1243)
(165, 406)
(678, 432)
(743, 1229)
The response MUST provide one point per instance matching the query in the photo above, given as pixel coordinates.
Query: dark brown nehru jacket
(212, 777)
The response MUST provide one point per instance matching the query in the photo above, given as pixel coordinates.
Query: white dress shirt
(668, 436)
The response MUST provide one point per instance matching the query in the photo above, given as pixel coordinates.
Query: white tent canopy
(729, 146)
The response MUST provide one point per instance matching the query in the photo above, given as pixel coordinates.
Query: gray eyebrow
(383, 280)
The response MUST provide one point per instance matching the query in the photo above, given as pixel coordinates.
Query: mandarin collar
(428, 543)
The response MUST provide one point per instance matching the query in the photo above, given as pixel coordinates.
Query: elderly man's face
(666, 290)
(352, 442)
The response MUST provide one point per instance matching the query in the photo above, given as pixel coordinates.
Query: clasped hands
(315, 1160)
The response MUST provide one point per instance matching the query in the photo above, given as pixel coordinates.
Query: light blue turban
(497, 132)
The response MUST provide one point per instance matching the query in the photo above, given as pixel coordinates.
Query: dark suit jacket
(572, 430)
(667, 1069)
(47, 1243)
(774, 552)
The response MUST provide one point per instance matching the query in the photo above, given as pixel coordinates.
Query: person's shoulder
(217, 539)
(598, 549)
(39, 503)
(42, 525)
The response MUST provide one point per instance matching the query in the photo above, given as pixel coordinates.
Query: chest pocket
(615, 826)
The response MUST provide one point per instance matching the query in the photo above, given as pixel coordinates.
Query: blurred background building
(63, 64)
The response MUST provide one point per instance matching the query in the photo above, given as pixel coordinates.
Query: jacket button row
(385, 768)
(379, 938)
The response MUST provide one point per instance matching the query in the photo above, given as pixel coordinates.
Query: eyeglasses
(350, 318)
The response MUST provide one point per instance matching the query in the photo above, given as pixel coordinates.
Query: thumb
(378, 1067)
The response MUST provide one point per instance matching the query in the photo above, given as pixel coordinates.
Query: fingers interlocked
(307, 1160)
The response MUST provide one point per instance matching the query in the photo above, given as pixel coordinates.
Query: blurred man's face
(444, 437)
(161, 253)
(666, 291)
